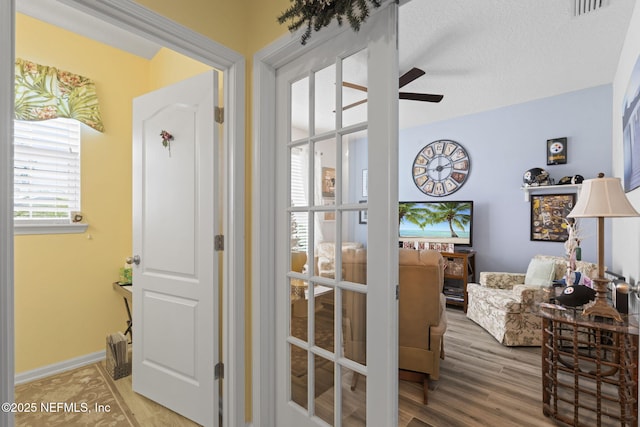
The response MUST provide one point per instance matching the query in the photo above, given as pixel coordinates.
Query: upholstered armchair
(326, 255)
(354, 262)
(422, 316)
(298, 302)
(504, 304)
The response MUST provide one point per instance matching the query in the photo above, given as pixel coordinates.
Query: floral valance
(44, 92)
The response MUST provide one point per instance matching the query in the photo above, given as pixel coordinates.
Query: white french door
(175, 279)
(336, 230)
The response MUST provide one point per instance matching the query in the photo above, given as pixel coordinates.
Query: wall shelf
(550, 189)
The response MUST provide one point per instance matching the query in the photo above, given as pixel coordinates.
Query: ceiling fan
(404, 80)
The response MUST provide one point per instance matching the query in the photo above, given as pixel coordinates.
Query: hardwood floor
(482, 383)
(147, 412)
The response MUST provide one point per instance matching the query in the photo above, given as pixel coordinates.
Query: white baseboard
(57, 368)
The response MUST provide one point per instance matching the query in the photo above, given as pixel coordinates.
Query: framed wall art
(328, 182)
(548, 214)
(631, 130)
(363, 216)
(557, 151)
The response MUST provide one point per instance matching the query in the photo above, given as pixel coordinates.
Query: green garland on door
(317, 14)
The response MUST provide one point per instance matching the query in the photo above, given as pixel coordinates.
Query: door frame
(7, 50)
(155, 27)
(265, 64)
(263, 178)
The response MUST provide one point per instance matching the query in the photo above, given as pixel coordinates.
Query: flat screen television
(440, 222)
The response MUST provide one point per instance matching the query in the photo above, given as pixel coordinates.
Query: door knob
(133, 260)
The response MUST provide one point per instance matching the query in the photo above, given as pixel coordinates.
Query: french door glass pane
(355, 149)
(324, 317)
(354, 89)
(299, 175)
(325, 100)
(300, 114)
(328, 234)
(324, 237)
(298, 291)
(354, 323)
(354, 399)
(299, 376)
(325, 172)
(324, 389)
(354, 302)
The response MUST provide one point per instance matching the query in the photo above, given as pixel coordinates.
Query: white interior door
(336, 187)
(175, 284)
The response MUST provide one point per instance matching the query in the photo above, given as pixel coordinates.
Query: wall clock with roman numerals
(441, 168)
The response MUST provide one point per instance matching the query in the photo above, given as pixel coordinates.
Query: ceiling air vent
(582, 7)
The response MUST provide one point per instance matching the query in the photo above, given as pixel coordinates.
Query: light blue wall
(502, 145)
(358, 152)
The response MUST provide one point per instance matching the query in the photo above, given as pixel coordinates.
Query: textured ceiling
(487, 54)
(480, 54)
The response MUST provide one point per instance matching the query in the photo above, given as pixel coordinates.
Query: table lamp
(602, 198)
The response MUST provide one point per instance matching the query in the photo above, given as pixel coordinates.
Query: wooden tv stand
(460, 269)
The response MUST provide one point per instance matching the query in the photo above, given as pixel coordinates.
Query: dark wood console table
(124, 290)
(460, 269)
(589, 368)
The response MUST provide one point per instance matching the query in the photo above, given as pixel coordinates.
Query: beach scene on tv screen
(445, 222)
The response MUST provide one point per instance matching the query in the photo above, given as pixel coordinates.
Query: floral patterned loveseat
(504, 305)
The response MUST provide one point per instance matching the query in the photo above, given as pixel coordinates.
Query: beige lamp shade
(602, 197)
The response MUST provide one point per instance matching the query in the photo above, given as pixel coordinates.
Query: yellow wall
(168, 67)
(245, 26)
(262, 19)
(64, 302)
(65, 305)
(221, 20)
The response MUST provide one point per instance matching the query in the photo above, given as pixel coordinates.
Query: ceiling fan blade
(427, 97)
(410, 76)
(355, 104)
(354, 86)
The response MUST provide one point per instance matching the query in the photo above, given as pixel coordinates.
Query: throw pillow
(540, 272)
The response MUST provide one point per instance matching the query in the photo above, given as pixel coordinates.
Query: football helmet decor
(536, 176)
(575, 179)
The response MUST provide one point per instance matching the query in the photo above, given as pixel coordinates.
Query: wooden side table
(124, 290)
(589, 368)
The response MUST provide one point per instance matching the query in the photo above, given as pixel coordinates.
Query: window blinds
(300, 220)
(46, 170)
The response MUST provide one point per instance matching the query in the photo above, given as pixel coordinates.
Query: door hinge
(218, 242)
(219, 115)
(218, 371)
(397, 292)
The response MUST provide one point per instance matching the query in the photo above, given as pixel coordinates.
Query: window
(299, 220)
(46, 173)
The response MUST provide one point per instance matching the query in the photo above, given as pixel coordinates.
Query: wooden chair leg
(354, 380)
(425, 385)
(416, 377)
